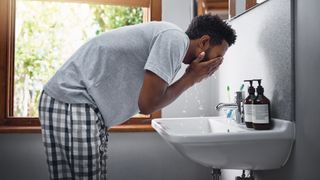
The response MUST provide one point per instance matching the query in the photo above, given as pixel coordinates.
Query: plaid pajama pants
(75, 139)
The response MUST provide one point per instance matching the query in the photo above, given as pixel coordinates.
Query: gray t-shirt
(108, 70)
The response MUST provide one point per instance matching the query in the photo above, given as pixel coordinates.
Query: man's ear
(204, 42)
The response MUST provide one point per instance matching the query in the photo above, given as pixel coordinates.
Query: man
(116, 75)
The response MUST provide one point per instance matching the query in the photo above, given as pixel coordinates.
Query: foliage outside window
(48, 33)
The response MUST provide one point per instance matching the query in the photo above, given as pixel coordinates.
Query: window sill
(19, 129)
(32, 125)
(132, 128)
(37, 129)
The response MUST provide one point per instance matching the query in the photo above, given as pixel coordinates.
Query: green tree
(35, 58)
(111, 17)
(47, 33)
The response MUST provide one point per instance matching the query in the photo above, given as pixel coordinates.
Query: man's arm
(156, 93)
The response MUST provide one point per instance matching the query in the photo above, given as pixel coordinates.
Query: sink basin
(220, 143)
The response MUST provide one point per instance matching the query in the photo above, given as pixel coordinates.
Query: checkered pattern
(75, 140)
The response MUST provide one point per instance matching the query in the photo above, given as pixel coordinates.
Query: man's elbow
(145, 108)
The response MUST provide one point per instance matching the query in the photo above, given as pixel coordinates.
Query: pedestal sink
(220, 143)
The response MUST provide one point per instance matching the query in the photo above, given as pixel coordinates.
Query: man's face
(216, 51)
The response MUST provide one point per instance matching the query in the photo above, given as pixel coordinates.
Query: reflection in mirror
(226, 9)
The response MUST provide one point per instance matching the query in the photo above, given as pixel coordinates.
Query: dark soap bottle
(261, 110)
(248, 105)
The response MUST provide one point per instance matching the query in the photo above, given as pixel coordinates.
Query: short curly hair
(213, 26)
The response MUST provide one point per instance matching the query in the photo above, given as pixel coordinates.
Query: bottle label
(260, 114)
(247, 112)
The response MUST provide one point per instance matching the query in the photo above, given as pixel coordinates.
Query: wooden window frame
(10, 124)
(232, 6)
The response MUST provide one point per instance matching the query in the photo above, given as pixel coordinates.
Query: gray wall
(134, 156)
(304, 162)
(262, 50)
(305, 159)
(22, 157)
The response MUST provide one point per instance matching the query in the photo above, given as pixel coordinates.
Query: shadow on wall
(263, 50)
(278, 174)
(278, 54)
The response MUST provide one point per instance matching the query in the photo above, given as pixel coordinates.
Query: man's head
(210, 34)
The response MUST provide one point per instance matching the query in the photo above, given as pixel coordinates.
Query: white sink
(222, 144)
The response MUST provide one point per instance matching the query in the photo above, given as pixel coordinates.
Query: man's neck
(190, 53)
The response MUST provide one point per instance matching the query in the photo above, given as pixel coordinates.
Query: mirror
(226, 9)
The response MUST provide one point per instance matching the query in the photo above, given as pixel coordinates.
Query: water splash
(186, 102)
(214, 76)
(197, 98)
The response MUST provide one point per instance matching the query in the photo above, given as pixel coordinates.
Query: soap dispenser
(248, 105)
(261, 110)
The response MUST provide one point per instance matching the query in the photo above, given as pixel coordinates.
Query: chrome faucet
(237, 106)
(226, 106)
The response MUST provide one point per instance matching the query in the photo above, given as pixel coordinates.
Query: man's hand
(199, 70)
(156, 93)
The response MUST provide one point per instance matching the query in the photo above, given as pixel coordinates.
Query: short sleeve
(167, 53)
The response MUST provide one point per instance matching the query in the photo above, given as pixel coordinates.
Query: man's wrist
(188, 79)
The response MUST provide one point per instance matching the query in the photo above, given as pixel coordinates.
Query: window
(33, 38)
